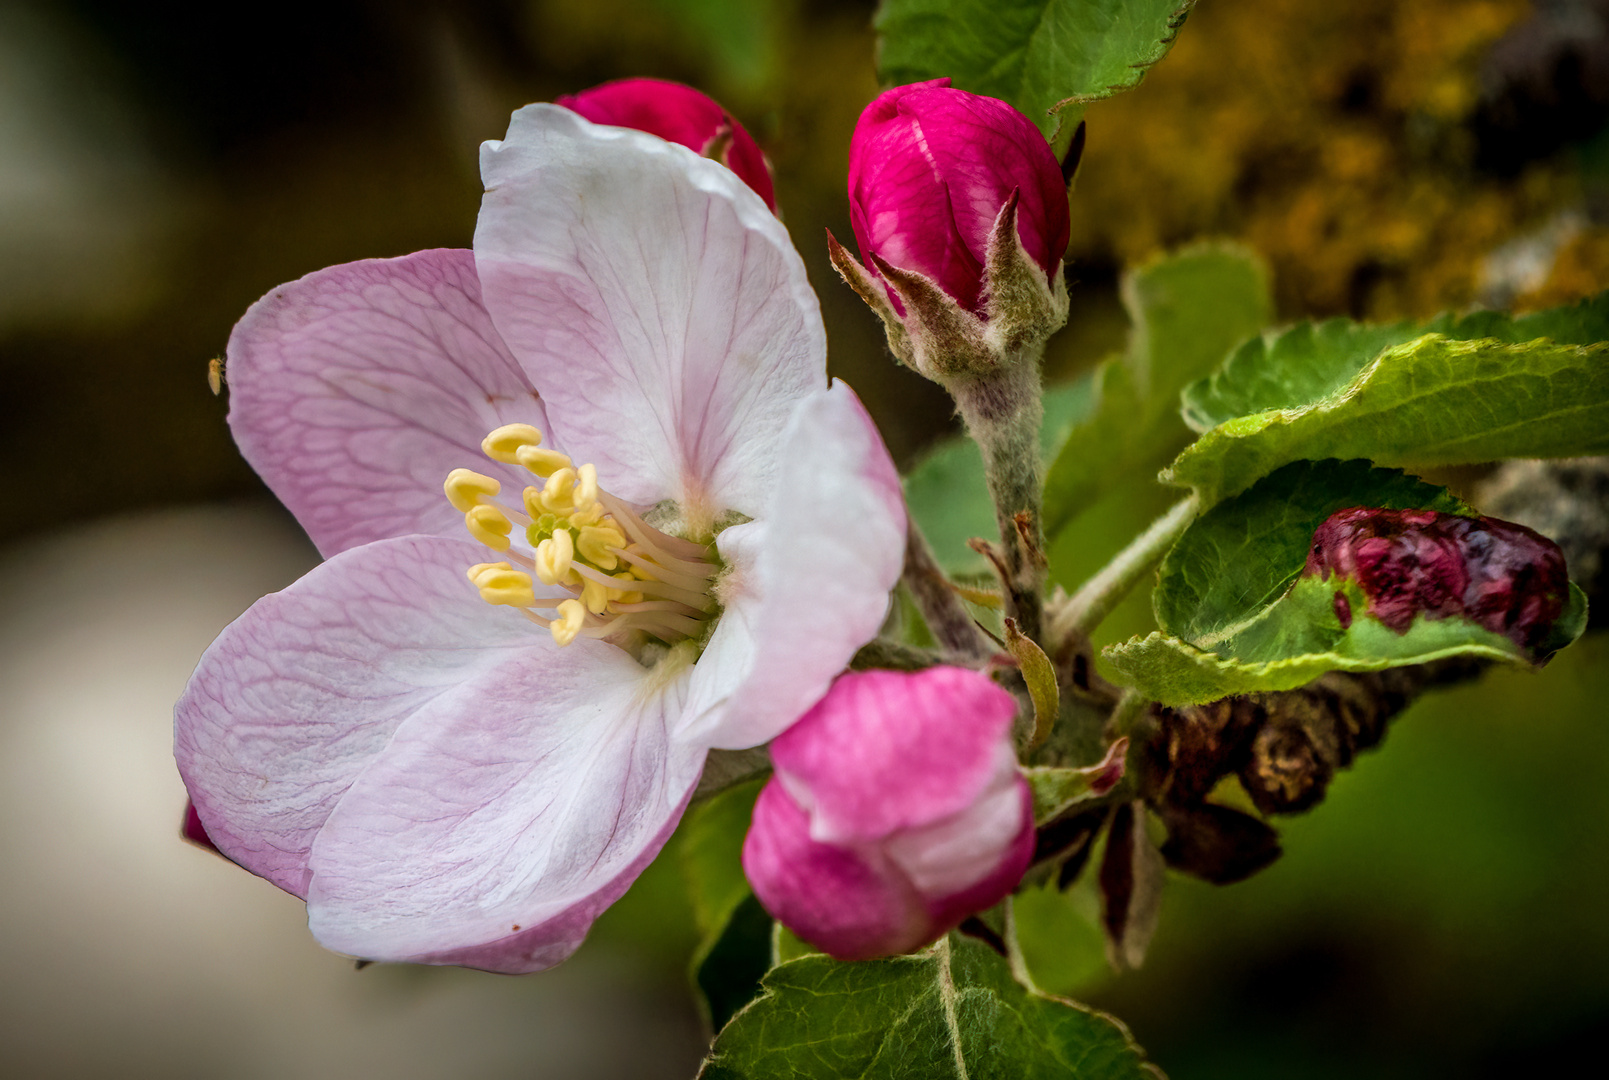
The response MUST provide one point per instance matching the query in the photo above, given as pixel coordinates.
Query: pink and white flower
(896, 811)
(634, 345)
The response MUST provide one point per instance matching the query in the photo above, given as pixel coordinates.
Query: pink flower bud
(678, 114)
(930, 169)
(896, 811)
(1499, 575)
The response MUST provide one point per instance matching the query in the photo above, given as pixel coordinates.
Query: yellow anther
(558, 497)
(589, 516)
(509, 587)
(506, 442)
(482, 567)
(586, 485)
(489, 525)
(554, 556)
(595, 542)
(594, 596)
(571, 618)
(541, 462)
(466, 489)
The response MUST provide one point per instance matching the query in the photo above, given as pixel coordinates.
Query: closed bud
(896, 810)
(960, 211)
(678, 114)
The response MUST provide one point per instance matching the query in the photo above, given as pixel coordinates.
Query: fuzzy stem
(952, 625)
(1095, 599)
(1003, 412)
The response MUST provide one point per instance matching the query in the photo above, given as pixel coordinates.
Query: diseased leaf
(1036, 54)
(951, 1011)
(946, 493)
(1242, 555)
(1297, 365)
(1430, 401)
(1187, 310)
(1238, 617)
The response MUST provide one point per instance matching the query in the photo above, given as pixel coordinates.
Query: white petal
(506, 814)
(655, 303)
(303, 691)
(811, 580)
(355, 390)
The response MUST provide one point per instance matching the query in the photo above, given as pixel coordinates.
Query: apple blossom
(682, 115)
(678, 535)
(897, 810)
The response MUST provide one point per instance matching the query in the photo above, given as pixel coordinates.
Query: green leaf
(728, 967)
(735, 946)
(1176, 673)
(1433, 400)
(946, 492)
(1187, 310)
(1237, 616)
(953, 1010)
(712, 835)
(1036, 54)
(1243, 554)
(1297, 365)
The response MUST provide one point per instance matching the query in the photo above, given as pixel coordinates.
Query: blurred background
(164, 164)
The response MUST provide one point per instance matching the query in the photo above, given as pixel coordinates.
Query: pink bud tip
(678, 114)
(930, 168)
(896, 811)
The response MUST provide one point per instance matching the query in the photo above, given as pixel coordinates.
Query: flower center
(623, 575)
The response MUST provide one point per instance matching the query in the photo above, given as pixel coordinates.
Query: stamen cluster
(622, 573)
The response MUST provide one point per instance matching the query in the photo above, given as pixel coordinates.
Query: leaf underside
(1036, 54)
(951, 1011)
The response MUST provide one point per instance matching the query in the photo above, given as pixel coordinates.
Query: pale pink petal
(528, 798)
(1013, 857)
(891, 750)
(832, 897)
(297, 696)
(656, 304)
(355, 390)
(809, 582)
